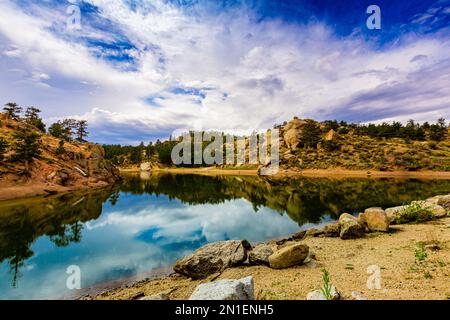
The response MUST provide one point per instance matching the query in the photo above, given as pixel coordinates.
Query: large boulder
(394, 212)
(437, 210)
(289, 256)
(227, 289)
(350, 227)
(443, 201)
(375, 219)
(213, 258)
(145, 166)
(292, 133)
(260, 254)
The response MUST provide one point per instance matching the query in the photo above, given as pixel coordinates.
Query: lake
(147, 222)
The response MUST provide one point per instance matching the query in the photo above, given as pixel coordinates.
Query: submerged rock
(289, 256)
(213, 258)
(375, 219)
(260, 254)
(227, 289)
(350, 227)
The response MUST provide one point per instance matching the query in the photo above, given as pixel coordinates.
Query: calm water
(147, 223)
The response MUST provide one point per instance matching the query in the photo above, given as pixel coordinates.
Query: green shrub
(415, 212)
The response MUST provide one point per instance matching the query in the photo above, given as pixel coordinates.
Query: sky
(138, 70)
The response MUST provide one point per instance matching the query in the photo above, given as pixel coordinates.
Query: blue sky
(138, 70)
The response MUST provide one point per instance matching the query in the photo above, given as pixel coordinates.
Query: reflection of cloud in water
(232, 219)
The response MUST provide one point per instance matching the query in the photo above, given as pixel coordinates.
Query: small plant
(415, 212)
(420, 254)
(427, 275)
(60, 149)
(326, 287)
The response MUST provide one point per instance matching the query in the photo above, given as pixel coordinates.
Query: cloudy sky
(137, 70)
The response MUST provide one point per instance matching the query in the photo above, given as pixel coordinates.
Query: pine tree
(13, 110)
(26, 146)
(311, 134)
(60, 149)
(32, 118)
(81, 130)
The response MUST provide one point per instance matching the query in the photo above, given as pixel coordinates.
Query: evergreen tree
(32, 118)
(311, 134)
(438, 131)
(81, 130)
(57, 130)
(26, 146)
(60, 149)
(13, 110)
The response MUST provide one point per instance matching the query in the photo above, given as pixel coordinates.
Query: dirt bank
(403, 276)
(307, 173)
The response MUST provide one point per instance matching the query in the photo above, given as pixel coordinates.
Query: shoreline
(311, 173)
(346, 260)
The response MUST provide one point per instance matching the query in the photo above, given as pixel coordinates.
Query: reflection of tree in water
(304, 200)
(60, 218)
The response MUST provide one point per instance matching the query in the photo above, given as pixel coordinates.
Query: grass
(326, 287)
(420, 254)
(415, 212)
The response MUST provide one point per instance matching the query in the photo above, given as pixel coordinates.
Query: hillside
(73, 166)
(344, 147)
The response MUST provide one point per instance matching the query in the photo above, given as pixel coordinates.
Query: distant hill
(58, 166)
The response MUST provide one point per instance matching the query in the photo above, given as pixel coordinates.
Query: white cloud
(253, 74)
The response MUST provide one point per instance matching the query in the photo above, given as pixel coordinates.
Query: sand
(403, 277)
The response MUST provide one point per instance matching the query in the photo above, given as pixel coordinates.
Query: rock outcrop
(292, 133)
(212, 258)
(226, 289)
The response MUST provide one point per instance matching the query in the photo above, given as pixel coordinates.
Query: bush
(415, 212)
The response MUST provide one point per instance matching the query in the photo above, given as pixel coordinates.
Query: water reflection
(149, 222)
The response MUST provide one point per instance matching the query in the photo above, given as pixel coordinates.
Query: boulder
(213, 258)
(227, 289)
(394, 212)
(145, 166)
(331, 136)
(318, 295)
(314, 232)
(437, 210)
(299, 235)
(350, 227)
(292, 133)
(260, 254)
(375, 219)
(332, 230)
(289, 256)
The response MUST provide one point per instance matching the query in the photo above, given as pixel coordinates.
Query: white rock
(318, 295)
(227, 289)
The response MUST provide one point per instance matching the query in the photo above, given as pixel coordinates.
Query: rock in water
(213, 258)
(241, 289)
(350, 227)
(289, 256)
(375, 219)
(318, 295)
(260, 255)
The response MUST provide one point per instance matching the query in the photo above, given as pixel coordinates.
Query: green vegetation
(326, 286)
(415, 212)
(60, 149)
(13, 110)
(26, 146)
(420, 253)
(3, 148)
(32, 118)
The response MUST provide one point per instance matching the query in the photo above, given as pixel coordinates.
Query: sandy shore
(307, 173)
(403, 277)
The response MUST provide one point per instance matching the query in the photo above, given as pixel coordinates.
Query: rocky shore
(408, 244)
